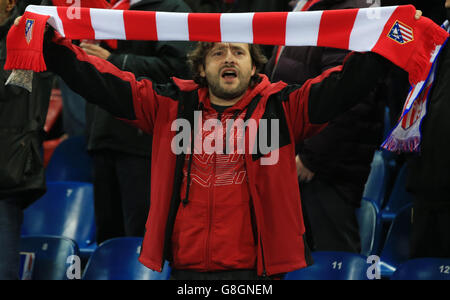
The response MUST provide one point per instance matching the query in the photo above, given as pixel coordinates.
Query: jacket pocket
(19, 159)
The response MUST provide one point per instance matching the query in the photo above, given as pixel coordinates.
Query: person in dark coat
(22, 119)
(121, 153)
(429, 176)
(334, 165)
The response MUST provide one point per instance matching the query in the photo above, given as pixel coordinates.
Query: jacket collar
(203, 94)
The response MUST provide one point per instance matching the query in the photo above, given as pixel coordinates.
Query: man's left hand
(96, 50)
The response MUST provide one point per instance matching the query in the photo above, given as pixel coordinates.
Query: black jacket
(153, 59)
(342, 153)
(22, 119)
(430, 170)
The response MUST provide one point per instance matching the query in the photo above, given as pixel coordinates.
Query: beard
(227, 94)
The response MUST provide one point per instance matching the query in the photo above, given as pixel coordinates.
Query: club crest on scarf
(401, 33)
(29, 30)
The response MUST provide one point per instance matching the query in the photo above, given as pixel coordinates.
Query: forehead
(234, 46)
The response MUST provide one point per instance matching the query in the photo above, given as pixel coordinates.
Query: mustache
(229, 67)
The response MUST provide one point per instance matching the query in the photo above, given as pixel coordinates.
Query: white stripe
(134, 2)
(368, 27)
(51, 11)
(406, 34)
(108, 24)
(237, 27)
(302, 28)
(409, 30)
(414, 94)
(172, 26)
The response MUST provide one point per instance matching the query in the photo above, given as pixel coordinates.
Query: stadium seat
(369, 226)
(423, 269)
(375, 188)
(70, 162)
(396, 247)
(117, 259)
(46, 257)
(333, 266)
(398, 198)
(67, 209)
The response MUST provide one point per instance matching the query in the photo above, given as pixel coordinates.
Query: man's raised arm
(100, 82)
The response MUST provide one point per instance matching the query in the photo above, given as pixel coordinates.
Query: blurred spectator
(22, 118)
(334, 165)
(73, 111)
(226, 6)
(429, 177)
(121, 153)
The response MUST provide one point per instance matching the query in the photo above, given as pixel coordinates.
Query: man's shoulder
(185, 85)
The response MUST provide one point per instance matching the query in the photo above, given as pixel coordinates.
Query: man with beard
(429, 176)
(221, 214)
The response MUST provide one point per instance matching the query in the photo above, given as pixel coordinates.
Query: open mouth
(229, 74)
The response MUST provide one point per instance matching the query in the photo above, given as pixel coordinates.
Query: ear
(10, 5)
(201, 69)
(253, 70)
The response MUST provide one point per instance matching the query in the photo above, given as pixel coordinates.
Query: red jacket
(274, 193)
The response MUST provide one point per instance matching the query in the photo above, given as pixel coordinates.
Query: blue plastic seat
(369, 226)
(375, 188)
(50, 255)
(333, 266)
(70, 162)
(396, 248)
(67, 209)
(398, 198)
(423, 269)
(117, 259)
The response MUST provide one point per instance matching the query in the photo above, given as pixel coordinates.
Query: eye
(217, 53)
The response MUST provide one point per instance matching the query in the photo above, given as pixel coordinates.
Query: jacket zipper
(264, 273)
(210, 220)
(211, 206)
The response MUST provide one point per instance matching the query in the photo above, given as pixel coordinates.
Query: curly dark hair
(196, 58)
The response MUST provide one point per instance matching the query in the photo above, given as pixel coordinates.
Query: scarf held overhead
(392, 32)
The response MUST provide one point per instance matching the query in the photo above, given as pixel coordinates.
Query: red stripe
(309, 4)
(81, 20)
(277, 57)
(412, 117)
(336, 27)
(275, 34)
(204, 27)
(140, 25)
(405, 122)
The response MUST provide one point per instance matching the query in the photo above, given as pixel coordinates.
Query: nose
(229, 57)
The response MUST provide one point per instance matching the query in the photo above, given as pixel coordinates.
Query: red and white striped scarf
(391, 32)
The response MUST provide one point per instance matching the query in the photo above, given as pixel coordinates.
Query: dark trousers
(11, 216)
(122, 194)
(330, 221)
(430, 231)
